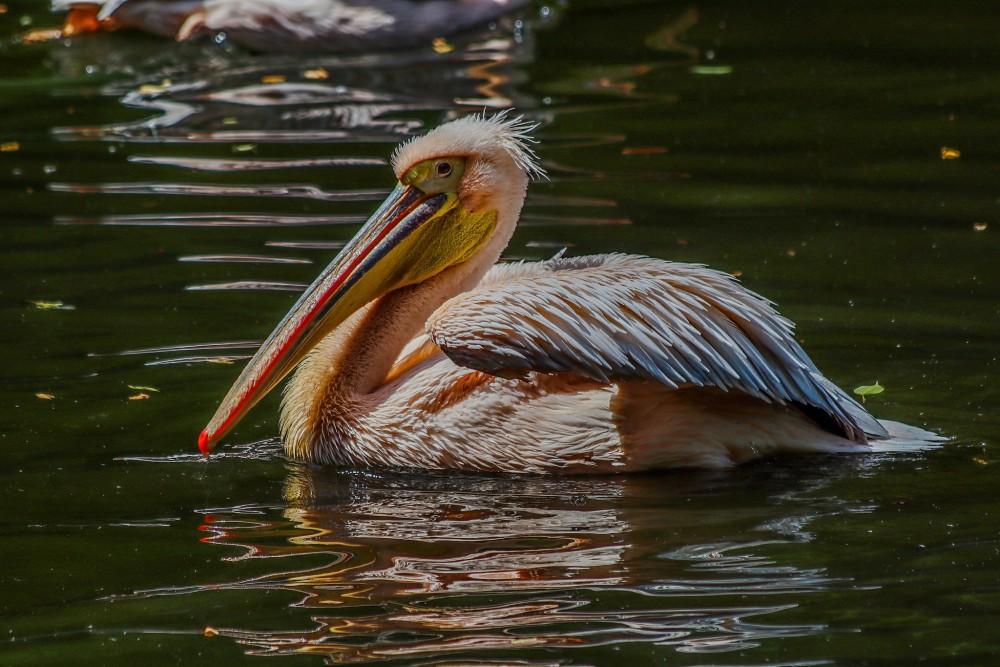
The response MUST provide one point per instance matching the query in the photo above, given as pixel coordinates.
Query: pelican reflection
(425, 566)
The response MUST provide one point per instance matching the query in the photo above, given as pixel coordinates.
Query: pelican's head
(459, 193)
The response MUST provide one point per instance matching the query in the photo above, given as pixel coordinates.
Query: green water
(173, 221)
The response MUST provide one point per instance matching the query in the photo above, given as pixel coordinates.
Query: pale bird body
(290, 25)
(416, 350)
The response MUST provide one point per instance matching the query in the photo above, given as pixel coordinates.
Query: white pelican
(286, 25)
(414, 349)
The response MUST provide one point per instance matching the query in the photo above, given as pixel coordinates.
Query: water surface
(163, 204)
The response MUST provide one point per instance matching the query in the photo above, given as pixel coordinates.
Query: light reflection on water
(423, 566)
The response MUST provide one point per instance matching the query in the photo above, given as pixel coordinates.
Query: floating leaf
(230, 120)
(273, 78)
(869, 390)
(154, 88)
(244, 148)
(10, 147)
(139, 387)
(40, 35)
(138, 397)
(441, 45)
(950, 153)
(45, 397)
(50, 305)
(316, 74)
(209, 631)
(979, 226)
(712, 70)
(978, 460)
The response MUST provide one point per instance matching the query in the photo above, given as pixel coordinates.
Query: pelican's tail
(906, 438)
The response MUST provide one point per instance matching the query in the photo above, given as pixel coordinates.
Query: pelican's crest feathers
(474, 135)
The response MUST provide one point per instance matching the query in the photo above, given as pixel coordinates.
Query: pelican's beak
(410, 238)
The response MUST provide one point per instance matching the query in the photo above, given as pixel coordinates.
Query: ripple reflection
(425, 566)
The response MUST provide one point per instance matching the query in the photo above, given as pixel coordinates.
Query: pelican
(413, 348)
(286, 25)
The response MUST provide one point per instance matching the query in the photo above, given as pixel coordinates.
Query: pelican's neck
(353, 360)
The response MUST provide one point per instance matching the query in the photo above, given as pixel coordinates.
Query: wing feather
(619, 317)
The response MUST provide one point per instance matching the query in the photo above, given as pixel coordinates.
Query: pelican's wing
(617, 317)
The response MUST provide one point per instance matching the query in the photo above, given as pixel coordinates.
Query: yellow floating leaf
(48, 305)
(231, 120)
(244, 148)
(45, 397)
(10, 147)
(273, 78)
(40, 35)
(139, 387)
(316, 74)
(979, 226)
(950, 153)
(138, 397)
(441, 45)
(210, 631)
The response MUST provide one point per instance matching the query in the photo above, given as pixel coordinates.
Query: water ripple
(421, 567)
(270, 286)
(229, 165)
(241, 259)
(212, 220)
(200, 190)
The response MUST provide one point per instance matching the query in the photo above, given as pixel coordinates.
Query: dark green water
(799, 145)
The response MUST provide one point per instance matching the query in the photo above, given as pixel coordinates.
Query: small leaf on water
(978, 460)
(45, 397)
(50, 305)
(869, 390)
(950, 153)
(139, 387)
(441, 45)
(10, 146)
(138, 397)
(273, 78)
(244, 148)
(210, 631)
(316, 74)
(712, 70)
(40, 35)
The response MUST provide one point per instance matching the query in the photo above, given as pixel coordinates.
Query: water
(162, 205)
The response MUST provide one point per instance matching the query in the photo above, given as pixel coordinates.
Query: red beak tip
(203, 446)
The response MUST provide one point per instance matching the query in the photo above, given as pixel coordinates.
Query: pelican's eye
(437, 175)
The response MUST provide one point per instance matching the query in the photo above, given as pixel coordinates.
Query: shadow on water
(426, 566)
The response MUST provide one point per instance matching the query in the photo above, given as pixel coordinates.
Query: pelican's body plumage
(414, 349)
(290, 25)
